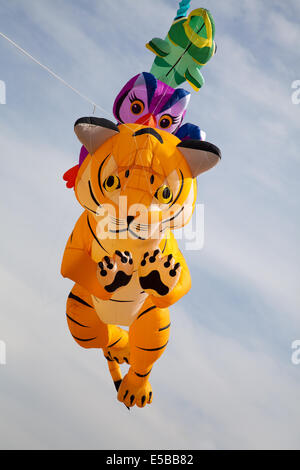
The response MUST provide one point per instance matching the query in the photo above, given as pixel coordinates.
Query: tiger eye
(164, 195)
(112, 183)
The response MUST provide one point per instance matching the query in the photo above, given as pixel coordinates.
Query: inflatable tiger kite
(136, 184)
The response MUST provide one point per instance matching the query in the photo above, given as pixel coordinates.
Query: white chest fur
(123, 306)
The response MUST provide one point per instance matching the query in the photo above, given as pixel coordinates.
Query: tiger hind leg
(90, 332)
(118, 352)
(148, 338)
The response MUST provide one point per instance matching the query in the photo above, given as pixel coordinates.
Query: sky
(229, 378)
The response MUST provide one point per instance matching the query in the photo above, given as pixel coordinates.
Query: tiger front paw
(115, 272)
(158, 275)
(134, 391)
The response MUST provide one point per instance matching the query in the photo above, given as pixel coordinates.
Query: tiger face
(137, 181)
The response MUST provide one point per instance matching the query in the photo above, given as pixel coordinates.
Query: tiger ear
(200, 155)
(93, 132)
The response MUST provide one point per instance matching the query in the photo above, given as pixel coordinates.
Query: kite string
(47, 69)
(55, 75)
(60, 79)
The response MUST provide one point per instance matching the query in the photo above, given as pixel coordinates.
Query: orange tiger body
(135, 186)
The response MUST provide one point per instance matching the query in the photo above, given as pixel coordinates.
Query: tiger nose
(130, 219)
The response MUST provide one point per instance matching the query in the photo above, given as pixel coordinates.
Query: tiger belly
(123, 306)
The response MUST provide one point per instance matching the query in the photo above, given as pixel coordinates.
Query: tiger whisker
(140, 229)
(174, 216)
(117, 221)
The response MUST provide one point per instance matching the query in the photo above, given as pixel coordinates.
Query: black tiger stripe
(146, 311)
(78, 299)
(93, 195)
(88, 221)
(143, 375)
(99, 173)
(151, 131)
(154, 349)
(84, 339)
(174, 216)
(180, 190)
(165, 327)
(113, 344)
(165, 245)
(77, 323)
(89, 209)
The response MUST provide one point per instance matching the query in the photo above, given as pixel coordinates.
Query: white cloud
(226, 380)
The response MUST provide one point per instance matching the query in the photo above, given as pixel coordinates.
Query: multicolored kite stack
(136, 181)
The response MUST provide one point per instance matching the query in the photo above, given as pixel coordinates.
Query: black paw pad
(154, 282)
(124, 259)
(103, 272)
(109, 265)
(173, 272)
(143, 263)
(121, 279)
(167, 263)
(152, 258)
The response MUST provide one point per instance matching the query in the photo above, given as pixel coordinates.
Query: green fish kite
(188, 46)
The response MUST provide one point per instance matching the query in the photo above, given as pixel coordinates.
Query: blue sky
(226, 380)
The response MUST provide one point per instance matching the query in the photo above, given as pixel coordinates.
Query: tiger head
(137, 181)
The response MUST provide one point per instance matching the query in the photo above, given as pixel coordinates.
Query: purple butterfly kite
(150, 102)
(147, 101)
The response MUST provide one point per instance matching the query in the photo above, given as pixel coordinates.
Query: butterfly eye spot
(137, 107)
(165, 121)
